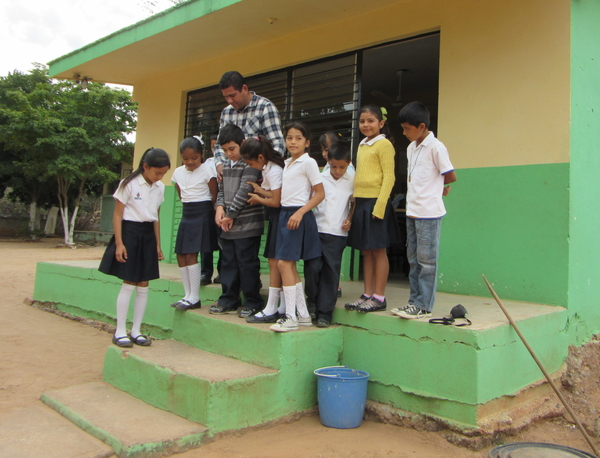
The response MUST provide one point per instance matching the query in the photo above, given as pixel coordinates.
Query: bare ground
(41, 351)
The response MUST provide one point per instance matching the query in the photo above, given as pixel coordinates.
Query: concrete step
(39, 431)
(131, 427)
(220, 392)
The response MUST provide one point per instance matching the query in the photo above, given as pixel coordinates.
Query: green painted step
(220, 392)
(131, 427)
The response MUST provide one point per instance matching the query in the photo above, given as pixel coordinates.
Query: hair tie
(383, 114)
(199, 138)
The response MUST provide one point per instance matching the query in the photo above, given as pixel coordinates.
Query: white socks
(271, 307)
(290, 301)
(122, 307)
(139, 308)
(281, 308)
(301, 301)
(194, 272)
(185, 279)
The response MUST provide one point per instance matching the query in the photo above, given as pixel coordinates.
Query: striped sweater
(248, 220)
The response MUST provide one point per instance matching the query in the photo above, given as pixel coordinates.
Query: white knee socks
(194, 275)
(185, 280)
(290, 301)
(301, 301)
(273, 299)
(122, 308)
(281, 308)
(139, 308)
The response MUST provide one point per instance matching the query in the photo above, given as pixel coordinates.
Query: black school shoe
(261, 318)
(185, 305)
(323, 322)
(219, 309)
(205, 280)
(247, 311)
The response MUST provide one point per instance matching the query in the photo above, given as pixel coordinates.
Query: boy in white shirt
(333, 215)
(430, 173)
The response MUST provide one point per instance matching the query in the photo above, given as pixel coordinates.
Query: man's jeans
(423, 243)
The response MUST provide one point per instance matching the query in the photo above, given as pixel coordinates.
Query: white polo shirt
(334, 209)
(298, 179)
(141, 200)
(193, 185)
(272, 174)
(427, 164)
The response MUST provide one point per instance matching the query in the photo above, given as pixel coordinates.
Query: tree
(154, 6)
(59, 132)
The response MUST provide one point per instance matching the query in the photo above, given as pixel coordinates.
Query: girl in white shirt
(134, 250)
(297, 235)
(196, 184)
(258, 153)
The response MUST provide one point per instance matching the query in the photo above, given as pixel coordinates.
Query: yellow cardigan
(375, 175)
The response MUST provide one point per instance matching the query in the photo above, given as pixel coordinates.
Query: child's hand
(219, 213)
(226, 223)
(346, 225)
(256, 187)
(294, 221)
(255, 199)
(446, 190)
(375, 217)
(121, 253)
(161, 256)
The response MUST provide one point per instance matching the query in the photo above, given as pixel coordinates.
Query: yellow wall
(504, 75)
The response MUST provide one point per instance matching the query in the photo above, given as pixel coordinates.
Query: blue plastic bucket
(342, 396)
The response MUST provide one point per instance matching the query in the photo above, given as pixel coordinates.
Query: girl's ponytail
(153, 157)
(254, 146)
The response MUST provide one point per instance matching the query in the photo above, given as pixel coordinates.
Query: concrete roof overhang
(196, 31)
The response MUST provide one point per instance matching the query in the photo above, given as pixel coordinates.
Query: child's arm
(386, 155)
(348, 221)
(317, 197)
(214, 190)
(240, 200)
(449, 177)
(260, 191)
(178, 190)
(157, 235)
(272, 200)
(121, 251)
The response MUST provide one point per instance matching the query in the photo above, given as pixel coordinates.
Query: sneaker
(185, 305)
(323, 323)
(205, 280)
(246, 312)
(398, 310)
(284, 325)
(219, 309)
(372, 305)
(304, 321)
(414, 313)
(354, 305)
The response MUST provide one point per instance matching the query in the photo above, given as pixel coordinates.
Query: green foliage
(57, 136)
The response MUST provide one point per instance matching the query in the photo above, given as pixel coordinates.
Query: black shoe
(219, 309)
(246, 312)
(323, 322)
(312, 309)
(339, 293)
(185, 305)
(205, 280)
(179, 302)
(261, 318)
(217, 279)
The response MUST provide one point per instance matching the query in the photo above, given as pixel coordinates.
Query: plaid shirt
(259, 117)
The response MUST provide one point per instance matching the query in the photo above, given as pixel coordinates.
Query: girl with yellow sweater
(374, 226)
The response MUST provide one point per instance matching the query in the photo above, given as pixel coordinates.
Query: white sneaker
(414, 313)
(304, 321)
(285, 325)
(398, 310)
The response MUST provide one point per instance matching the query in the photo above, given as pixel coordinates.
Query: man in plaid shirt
(254, 114)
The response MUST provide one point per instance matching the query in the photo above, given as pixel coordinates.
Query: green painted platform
(226, 374)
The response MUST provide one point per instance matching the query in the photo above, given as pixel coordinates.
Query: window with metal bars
(322, 95)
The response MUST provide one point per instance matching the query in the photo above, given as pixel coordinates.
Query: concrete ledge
(131, 427)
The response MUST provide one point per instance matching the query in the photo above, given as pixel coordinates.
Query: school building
(513, 91)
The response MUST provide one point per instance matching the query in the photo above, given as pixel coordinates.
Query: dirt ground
(41, 351)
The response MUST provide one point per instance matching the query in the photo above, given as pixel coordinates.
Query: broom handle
(539, 363)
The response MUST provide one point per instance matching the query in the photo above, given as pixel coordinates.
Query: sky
(43, 30)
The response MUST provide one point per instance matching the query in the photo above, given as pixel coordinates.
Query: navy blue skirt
(301, 243)
(197, 231)
(271, 241)
(142, 255)
(368, 233)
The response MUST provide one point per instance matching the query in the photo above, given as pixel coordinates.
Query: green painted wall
(511, 224)
(584, 216)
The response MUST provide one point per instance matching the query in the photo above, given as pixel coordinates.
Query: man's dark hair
(232, 79)
(230, 133)
(415, 114)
